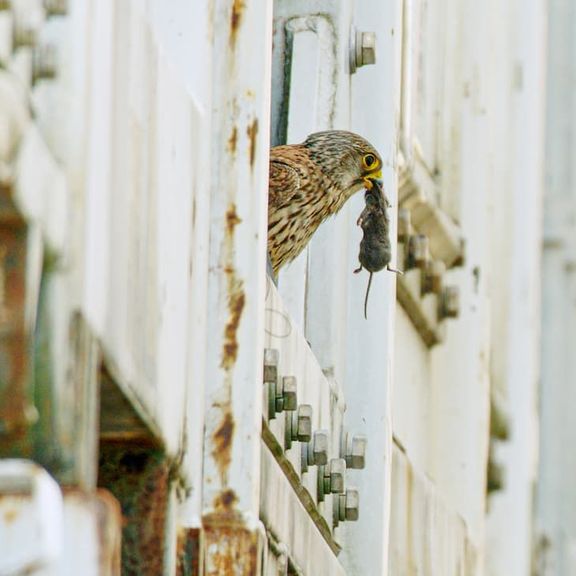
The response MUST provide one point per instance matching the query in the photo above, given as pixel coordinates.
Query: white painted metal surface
(555, 529)
(31, 533)
(236, 284)
(511, 512)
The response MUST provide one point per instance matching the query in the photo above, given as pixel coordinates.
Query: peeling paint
(231, 548)
(252, 132)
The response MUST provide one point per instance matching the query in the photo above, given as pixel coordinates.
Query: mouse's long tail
(367, 294)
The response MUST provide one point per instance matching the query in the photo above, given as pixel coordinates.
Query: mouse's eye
(369, 161)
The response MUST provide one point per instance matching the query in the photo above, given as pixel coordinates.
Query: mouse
(375, 247)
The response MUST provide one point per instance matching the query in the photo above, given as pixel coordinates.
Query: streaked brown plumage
(310, 182)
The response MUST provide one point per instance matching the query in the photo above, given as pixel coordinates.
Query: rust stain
(230, 547)
(238, 7)
(232, 219)
(139, 477)
(252, 132)
(222, 441)
(17, 411)
(236, 297)
(188, 552)
(233, 141)
(225, 501)
(236, 303)
(10, 515)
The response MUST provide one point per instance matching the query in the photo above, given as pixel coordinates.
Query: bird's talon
(359, 269)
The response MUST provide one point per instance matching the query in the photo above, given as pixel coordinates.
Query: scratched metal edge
(411, 305)
(306, 500)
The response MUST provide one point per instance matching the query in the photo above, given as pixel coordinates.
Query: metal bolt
(298, 426)
(418, 251)
(286, 396)
(315, 452)
(496, 477)
(24, 36)
(450, 302)
(331, 478)
(270, 378)
(56, 7)
(355, 452)
(404, 225)
(362, 49)
(302, 423)
(432, 279)
(44, 59)
(346, 507)
(270, 365)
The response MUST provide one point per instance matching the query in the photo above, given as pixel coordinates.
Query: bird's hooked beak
(374, 176)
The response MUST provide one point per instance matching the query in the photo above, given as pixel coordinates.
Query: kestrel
(310, 182)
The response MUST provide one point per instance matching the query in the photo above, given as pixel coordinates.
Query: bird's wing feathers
(288, 173)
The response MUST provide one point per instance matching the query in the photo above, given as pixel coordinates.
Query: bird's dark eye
(369, 160)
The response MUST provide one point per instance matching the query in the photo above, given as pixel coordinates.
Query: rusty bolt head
(450, 302)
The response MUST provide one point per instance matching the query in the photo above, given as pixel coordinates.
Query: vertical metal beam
(370, 343)
(17, 303)
(241, 57)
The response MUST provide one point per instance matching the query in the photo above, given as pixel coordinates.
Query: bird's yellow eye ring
(369, 161)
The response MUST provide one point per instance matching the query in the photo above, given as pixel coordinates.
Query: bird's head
(346, 158)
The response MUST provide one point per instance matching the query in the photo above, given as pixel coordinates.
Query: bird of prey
(310, 182)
